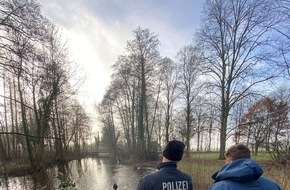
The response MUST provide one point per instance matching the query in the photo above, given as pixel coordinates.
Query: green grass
(201, 171)
(262, 157)
(205, 155)
(202, 165)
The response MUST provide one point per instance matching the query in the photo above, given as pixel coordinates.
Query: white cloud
(97, 31)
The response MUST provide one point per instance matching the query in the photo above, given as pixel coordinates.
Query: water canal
(87, 174)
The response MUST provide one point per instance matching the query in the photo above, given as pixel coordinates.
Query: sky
(96, 32)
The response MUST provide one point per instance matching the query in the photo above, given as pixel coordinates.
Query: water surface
(87, 174)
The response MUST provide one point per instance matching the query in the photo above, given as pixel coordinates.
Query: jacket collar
(167, 164)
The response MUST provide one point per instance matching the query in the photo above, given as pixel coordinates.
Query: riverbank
(21, 166)
(15, 168)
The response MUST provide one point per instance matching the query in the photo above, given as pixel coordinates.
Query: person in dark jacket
(168, 177)
(241, 172)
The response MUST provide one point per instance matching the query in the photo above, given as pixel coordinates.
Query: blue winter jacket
(168, 177)
(242, 174)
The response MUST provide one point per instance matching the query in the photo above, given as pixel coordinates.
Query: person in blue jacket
(241, 172)
(168, 177)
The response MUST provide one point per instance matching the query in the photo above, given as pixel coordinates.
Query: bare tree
(169, 70)
(282, 36)
(144, 51)
(125, 86)
(234, 35)
(80, 126)
(280, 118)
(36, 70)
(20, 49)
(200, 115)
(106, 117)
(189, 58)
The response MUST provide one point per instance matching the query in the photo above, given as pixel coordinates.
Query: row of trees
(240, 50)
(211, 88)
(40, 115)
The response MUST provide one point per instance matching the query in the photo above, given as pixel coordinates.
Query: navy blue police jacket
(168, 177)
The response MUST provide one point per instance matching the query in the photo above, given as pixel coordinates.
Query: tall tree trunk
(141, 142)
(209, 134)
(8, 148)
(256, 148)
(13, 138)
(24, 123)
(223, 130)
(167, 122)
(188, 126)
(20, 149)
(133, 115)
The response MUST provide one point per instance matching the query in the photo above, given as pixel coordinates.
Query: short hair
(238, 151)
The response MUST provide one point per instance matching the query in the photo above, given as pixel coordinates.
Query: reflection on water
(87, 173)
(100, 174)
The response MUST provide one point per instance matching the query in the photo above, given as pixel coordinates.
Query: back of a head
(238, 151)
(174, 150)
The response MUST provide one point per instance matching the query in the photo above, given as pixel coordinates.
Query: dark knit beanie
(174, 150)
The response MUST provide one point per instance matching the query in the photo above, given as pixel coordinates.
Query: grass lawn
(202, 165)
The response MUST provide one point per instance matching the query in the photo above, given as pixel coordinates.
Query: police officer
(168, 177)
